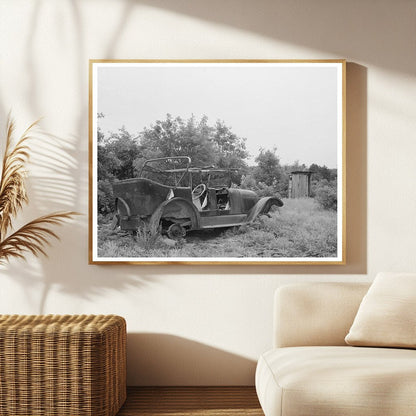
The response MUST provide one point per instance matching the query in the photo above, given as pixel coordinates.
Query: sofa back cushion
(387, 314)
(309, 314)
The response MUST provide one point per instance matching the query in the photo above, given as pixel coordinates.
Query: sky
(290, 107)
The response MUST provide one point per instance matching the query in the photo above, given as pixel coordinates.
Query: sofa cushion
(315, 314)
(387, 314)
(342, 381)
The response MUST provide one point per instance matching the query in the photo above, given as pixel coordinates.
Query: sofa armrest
(315, 313)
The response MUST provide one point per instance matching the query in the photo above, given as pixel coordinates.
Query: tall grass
(301, 228)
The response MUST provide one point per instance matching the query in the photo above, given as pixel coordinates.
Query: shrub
(147, 236)
(326, 195)
(105, 197)
(260, 188)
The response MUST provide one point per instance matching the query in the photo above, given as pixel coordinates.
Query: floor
(187, 401)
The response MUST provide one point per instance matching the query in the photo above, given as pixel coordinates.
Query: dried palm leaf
(12, 183)
(33, 237)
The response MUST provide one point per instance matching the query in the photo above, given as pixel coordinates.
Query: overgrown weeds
(147, 236)
(300, 229)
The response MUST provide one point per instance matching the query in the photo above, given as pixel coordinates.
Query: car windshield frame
(212, 177)
(221, 174)
(177, 174)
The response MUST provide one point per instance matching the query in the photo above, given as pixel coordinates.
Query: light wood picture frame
(217, 162)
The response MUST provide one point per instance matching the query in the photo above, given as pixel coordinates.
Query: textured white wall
(198, 324)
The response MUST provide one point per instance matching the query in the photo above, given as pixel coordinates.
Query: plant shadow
(337, 28)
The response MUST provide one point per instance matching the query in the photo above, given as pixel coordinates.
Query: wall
(204, 325)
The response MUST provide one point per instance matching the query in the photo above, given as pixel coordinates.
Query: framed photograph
(217, 162)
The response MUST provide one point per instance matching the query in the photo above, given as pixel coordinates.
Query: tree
(206, 146)
(121, 156)
(324, 186)
(268, 169)
(176, 137)
(326, 194)
(320, 172)
(116, 155)
(296, 165)
(100, 134)
(106, 161)
(230, 149)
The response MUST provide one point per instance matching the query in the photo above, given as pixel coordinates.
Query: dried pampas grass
(34, 236)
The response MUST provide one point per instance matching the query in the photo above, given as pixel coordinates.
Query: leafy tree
(297, 166)
(107, 162)
(105, 197)
(206, 146)
(115, 160)
(320, 172)
(326, 194)
(121, 156)
(126, 149)
(100, 134)
(176, 137)
(115, 154)
(230, 149)
(324, 186)
(120, 151)
(268, 168)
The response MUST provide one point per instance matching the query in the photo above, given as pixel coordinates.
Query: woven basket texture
(56, 365)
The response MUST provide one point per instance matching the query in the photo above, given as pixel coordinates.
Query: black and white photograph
(217, 162)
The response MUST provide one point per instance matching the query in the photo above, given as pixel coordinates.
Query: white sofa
(311, 371)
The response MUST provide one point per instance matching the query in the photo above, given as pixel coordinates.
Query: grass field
(301, 228)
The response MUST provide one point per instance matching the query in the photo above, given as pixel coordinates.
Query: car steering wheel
(198, 191)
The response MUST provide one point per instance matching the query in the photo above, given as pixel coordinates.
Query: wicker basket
(54, 365)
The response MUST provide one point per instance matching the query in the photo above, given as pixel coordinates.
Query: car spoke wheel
(176, 232)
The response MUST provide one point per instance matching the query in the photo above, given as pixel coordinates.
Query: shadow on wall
(336, 28)
(341, 28)
(161, 359)
(60, 182)
(54, 187)
(356, 196)
(64, 183)
(57, 184)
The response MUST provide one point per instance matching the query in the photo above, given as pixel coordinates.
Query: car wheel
(176, 231)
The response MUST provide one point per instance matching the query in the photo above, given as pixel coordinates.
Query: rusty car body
(171, 196)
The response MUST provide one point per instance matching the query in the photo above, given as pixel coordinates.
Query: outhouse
(300, 184)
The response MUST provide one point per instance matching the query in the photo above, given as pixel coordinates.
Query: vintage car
(171, 196)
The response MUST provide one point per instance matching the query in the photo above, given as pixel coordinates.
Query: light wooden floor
(187, 401)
